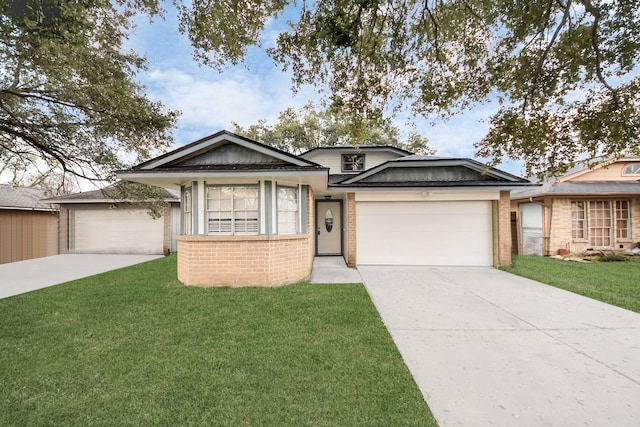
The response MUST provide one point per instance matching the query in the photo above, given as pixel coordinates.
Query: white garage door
(115, 231)
(424, 233)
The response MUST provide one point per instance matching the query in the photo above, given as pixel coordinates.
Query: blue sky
(211, 100)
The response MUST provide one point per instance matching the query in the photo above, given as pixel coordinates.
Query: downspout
(547, 212)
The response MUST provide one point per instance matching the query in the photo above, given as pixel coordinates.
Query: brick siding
(243, 260)
(504, 228)
(351, 230)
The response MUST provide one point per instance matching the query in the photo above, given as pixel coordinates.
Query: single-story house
(593, 207)
(105, 221)
(255, 215)
(28, 227)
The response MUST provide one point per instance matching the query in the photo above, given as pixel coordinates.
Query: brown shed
(28, 227)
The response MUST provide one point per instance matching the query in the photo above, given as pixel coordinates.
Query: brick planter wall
(243, 260)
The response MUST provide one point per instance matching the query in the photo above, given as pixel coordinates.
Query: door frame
(316, 225)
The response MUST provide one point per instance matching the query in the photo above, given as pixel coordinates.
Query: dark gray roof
(595, 188)
(369, 148)
(105, 195)
(23, 198)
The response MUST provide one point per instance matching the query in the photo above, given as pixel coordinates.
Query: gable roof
(223, 155)
(198, 154)
(109, 194)
(429, 171)
(23, 198)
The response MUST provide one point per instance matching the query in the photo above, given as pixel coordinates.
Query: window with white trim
(598, 221)
(623, 223)
(578, 220)
(288, 210)
(188, 217)
(352, 162)
(232, 209)
(632, 169)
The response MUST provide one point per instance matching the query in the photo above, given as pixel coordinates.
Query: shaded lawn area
(136, 347)
(616, 283)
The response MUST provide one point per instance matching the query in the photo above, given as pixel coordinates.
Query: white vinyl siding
(425, 233)
(232, 210)
(288, 210)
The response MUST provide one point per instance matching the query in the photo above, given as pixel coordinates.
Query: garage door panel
(424, 233)
(116, 231)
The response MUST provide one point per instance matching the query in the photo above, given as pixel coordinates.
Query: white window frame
(603, 222)
(188, 211)
(578, 220)
(228, 211)
(288, 213)
(632, 169)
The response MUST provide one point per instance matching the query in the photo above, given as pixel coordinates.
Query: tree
(69, 100)
(564, 72)
(321, 127)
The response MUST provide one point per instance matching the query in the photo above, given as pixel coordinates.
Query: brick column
(351, 230)
(504, 228)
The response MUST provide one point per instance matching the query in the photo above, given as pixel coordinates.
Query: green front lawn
(135, 347)
(616, 283)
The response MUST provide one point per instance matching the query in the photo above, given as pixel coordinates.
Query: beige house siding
(27, 235)
(612, 172)
(332, 159)
(560, 236)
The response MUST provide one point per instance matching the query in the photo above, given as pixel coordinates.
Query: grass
(616, 283)
(136, 347)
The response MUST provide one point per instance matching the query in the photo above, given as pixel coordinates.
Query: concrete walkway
(491, 349)
(333, 269)
(26, 276)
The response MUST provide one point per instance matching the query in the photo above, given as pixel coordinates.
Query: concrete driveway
(490, 348)
(25, 276)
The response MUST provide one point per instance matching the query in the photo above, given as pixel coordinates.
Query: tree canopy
(564, 72)
(316, 126)
(70, 103)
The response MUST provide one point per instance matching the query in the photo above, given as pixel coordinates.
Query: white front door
(329, 228)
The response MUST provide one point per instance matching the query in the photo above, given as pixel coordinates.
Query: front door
(329, 228)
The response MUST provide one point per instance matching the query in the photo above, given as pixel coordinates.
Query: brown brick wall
(504, 228)
(351, 230)
(243, 260)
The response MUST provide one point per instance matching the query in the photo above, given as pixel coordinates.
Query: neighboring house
(103, 221)
(256, 215)
(595, 208)
(28, 227)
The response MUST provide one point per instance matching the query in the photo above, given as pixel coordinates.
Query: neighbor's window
(232, 210)
(600, 222)
(187, 211)
(288, 210)
(352, 162)
(622, 220)
(632, 169)
(578, 220)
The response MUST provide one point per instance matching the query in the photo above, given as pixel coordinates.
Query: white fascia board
(427, 188)
(218, 174)
(426, 195)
